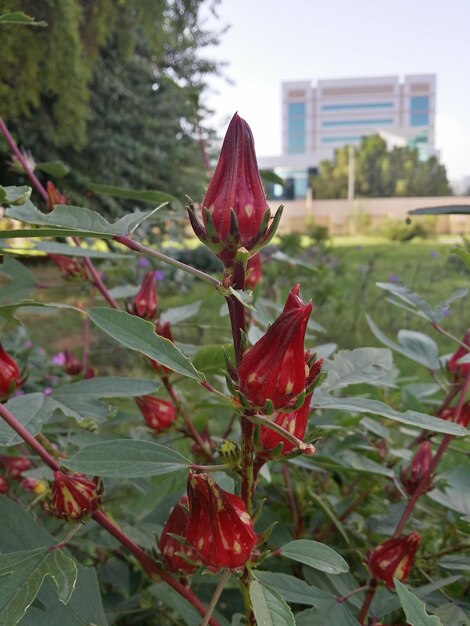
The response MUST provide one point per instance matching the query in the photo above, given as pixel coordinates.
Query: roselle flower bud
(411, 475)
(274, 368)
(159, 414)
(449, 414)
(3, 485)
(10, 378)
(55, 197)
(177, 524)
(162, 329)
(145, 302)
(394, 558)
(74, 496)
(254, 272)
(15, 465)
(72, 364)
(219, 527)
(234, 210)
(70, 268)
(460, 369)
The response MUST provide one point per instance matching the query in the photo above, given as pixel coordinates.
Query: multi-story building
(318, 119)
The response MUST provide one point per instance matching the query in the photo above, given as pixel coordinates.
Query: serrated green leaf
(362, 365)
(316, 555)
(269, 607)
(127, 458)
(137, 334)
(22, 575)
(28, 410)
(414, 608)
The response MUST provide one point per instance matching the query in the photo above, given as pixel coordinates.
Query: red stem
(367, 602)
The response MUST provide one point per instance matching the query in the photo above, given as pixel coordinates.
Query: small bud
(219, 527)
(162, 329)
(38, 487)
(72, 364)
(411, 475)
(145, 302)
(254, 273)
(15, 465)
(159, 414)
(294, 422)
(74, 496)
(177, 524)
(394, 558)
(274, 368)
(3, 485)
(70, 268)
(10, 378)
(54, 196)
(460, 370)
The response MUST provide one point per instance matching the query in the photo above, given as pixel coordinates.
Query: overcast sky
(274, 40)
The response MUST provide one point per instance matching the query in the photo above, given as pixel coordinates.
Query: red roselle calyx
(159, 414)
(274, 369)
(15, 465)
(70, 268)
(72, 364)
(254, 273)
(219, 526)
(10, 377)
(411, 475)
(234, 210)
(54, 196)
(394, 558)
(460, 369)
(162, 329)
(177, 524)
(74, 495)
(145, 302)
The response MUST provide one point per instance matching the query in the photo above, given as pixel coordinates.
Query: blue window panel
(296, 144)
(296, 109)
(378, 122)
(296, 126)
(300, 187)
(419, 103)
(340, 139)
(419, 119)
(357, 105)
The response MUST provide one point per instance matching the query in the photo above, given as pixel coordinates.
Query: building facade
(317, 119)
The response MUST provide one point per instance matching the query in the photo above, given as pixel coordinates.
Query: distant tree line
(381, 173)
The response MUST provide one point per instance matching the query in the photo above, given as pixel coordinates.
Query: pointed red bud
(3, 485)
(274, 368)
(254, 273)
(460, 369)
(55, 197)
(72, 364)
(10, 378)
(70, 268)
(294, 422)
(162, 329)
(159, 414)
(74, 496)
(145, 302)
(15, 465)
(411, 475)
(219, 527)
(394, 558)
(177, 524)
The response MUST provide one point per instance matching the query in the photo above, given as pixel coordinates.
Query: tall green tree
(381, 173)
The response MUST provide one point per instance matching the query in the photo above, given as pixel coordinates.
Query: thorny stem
(127, 241)
(187, 419)
(215, 598)
(154, 571)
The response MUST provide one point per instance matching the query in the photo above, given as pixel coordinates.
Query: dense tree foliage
(111, 88)
(381, 173)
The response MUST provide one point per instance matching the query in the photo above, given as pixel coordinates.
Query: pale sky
(274, 40)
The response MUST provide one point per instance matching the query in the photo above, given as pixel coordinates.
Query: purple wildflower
(143, 262)
(59, 359)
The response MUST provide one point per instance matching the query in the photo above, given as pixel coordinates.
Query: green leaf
(77, 220)
(453, 615)
(14, 195)
(456, 562)
(268, 176)
(21, 281)
(328, 613)
(32, 307)
(22, 575)
(361, 463)
(453, 209)
(137, 334)
(316, 555)
(77, 251)
(414, 608)
(269, 607)
(20, 18)
(147, 195)
(355, 404)
(463, 254)
(126, 458)
(455, 495)
(210, 359)
(294, 589)
(57, 169)
(362, 365)
(28, 410)
(180, 313)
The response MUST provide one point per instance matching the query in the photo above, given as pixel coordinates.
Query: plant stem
(444, 332)
(367, 602)
(215, 598)
(127, 241)
(352, 593)
(298, 522)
